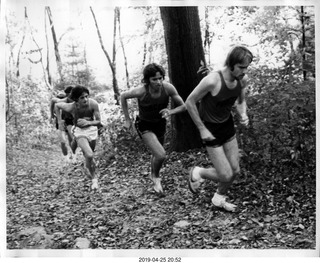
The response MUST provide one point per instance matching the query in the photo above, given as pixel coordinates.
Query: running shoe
(220, 201)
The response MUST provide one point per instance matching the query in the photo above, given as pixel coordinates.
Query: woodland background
(106, 48)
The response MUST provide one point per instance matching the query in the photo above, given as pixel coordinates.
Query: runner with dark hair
(86, 119)
(153, 98)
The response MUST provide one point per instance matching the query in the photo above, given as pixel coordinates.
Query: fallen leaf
(82, 243)
(182, 223)
(234, 241)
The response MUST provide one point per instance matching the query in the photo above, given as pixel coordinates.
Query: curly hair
(77, 91)
(150, 71)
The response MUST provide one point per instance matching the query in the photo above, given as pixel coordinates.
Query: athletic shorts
(158, 128)
(90, 133)
(223, 132)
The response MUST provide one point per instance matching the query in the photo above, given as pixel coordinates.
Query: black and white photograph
(159, 131)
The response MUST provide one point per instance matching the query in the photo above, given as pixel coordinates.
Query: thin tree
(117, 9)
(114, 52)
(21, 44)
(55, 43)
(39, 51)
(47, 43)
(207, 35)
(149, 42)
(112, 66)
(185, 53)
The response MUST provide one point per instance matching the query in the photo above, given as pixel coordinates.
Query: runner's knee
(89, 155)
(236, 170)
(160, 156)
(227, 176)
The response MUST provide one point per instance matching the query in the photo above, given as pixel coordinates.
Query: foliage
(154, 45)
(27, 114)
(274, 33)
(281, 136)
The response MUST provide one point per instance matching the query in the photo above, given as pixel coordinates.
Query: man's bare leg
(89, 161)
(157, 159)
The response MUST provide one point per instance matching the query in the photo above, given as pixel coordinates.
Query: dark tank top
(66, 115)
(217, 109)
(149, 107)
(83, 113)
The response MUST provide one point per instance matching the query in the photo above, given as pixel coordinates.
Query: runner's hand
(203, 69)
(165, 113)
(206, 135)
(244, 120)
(83, 123)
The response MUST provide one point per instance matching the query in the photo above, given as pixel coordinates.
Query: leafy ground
(51, 206)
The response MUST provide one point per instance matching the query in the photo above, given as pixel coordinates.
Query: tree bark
(207, 35)
(47, 43)
(39, 50)
(55, 43)
(303, 44)
(122, 46)
(112, 66)
(185, 52)
(22, 41)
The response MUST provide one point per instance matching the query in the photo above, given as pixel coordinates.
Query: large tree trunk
(185, 51)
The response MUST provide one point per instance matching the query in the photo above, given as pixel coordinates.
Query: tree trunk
(22, 41)
(122, 46)
(39, 50)
(114, 63)
(55, 42)
(185, 52)
(47, 43)
(207, 35)
(303, 44)
(114, 82)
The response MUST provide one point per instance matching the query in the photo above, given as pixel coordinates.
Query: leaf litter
(50, 206)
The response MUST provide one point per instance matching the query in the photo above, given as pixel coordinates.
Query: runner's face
(240, 70)
(83, 99)
(156, 81)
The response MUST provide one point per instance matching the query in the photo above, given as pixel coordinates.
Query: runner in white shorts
(86, 117)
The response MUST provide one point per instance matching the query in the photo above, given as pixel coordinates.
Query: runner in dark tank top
(217, 109)
(217, 92)
(149, 107)
(153, 98)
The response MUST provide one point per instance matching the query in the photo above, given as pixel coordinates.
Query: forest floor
(50, 206)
